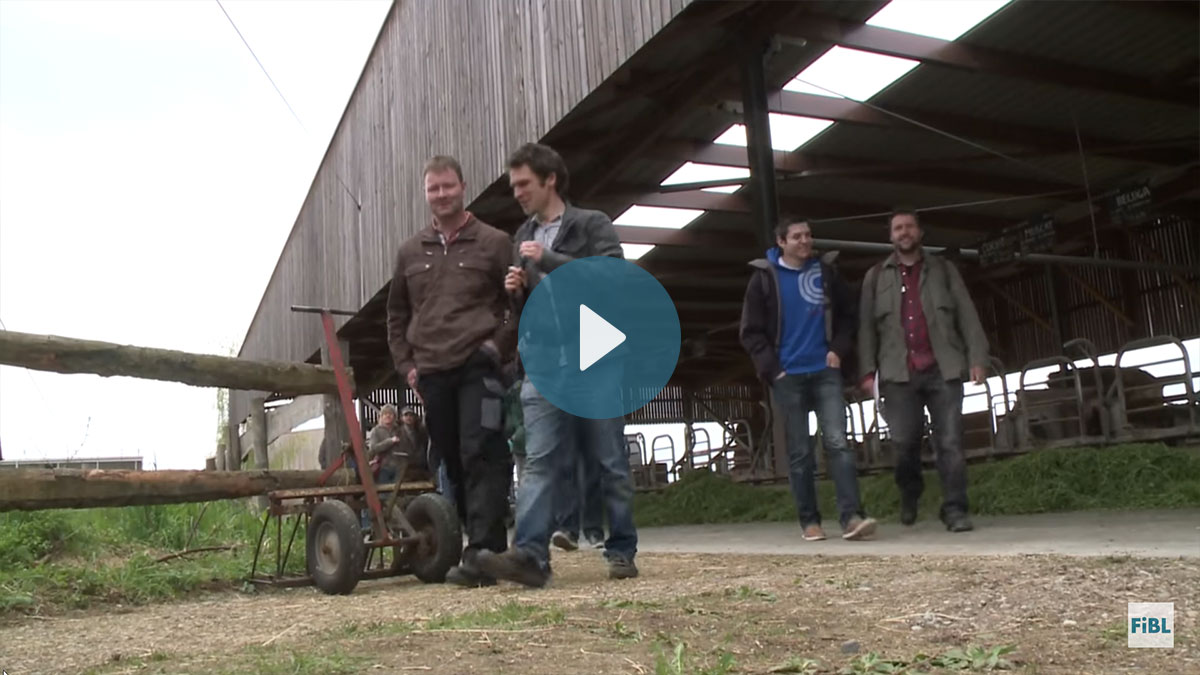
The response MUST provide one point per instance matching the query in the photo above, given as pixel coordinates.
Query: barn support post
(760, 157)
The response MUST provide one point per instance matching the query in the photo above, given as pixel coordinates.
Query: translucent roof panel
(693, 172)
(657, 216)
(850, 73)
(942, 19)
(788, 132)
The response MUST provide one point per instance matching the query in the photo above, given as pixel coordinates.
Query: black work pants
(905, 413)
(463, 412)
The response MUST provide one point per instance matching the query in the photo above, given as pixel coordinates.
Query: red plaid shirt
(912, 318)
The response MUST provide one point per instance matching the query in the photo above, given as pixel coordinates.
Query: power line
(260, 65)
(336, 175)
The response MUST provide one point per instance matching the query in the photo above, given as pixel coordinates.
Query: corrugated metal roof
(1114, 36)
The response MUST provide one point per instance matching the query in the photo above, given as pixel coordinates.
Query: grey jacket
(583, 233)
(955, 333)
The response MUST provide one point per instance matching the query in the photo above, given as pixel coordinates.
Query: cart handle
(320, 310)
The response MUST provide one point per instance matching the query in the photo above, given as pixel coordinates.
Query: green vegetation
(52, 560)
(509, 615)
(1135, 476)
(678, 662)
(972, 659)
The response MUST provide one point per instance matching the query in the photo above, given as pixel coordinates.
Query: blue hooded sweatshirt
(802, 345)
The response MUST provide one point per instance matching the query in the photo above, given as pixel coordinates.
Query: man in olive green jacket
(920, 335)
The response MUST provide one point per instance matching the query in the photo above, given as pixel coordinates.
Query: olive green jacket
(955, 333)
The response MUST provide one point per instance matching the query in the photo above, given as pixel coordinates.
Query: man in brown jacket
(448, 326)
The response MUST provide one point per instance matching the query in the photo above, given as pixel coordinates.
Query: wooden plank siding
(469, 79)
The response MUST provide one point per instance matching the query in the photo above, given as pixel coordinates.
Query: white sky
(149, 176)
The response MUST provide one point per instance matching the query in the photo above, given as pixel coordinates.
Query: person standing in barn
(556, 233)
(798, 326)
(919, 337)
(448, 329)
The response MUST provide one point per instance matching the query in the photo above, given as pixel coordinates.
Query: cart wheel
(334, 549)
(436, 522)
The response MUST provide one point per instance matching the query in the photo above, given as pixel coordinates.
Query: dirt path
(732, 613)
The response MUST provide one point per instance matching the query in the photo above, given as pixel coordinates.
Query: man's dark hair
(904, 211)
(440, 163)
(542, 160)
(786, 222)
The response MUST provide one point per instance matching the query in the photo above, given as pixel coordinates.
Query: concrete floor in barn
(1169, 534)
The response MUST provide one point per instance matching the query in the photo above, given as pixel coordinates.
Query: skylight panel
(693, 172)
(788, 132)
(657, 216)
(942, 19)
(855, 74)
(635, 251)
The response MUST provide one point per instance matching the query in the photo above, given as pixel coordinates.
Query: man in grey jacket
(555, 234)
(920, 335)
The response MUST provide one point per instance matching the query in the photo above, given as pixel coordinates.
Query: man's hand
(978, 374)
(514, 281)
(395, 439)
(532, 250)
(493, 352)
(412, 379)
(868, 384)
(832, 360)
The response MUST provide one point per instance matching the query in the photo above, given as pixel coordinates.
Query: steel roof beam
(1049, 140)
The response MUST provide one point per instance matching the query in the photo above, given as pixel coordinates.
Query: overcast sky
(149, 176)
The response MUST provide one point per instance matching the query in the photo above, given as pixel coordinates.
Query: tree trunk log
(70, 355)
(34, 489)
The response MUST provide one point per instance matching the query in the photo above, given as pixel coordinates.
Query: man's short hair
(903, 211)
(387, 409)
(542, 160)
(440, 163)
(786, 222)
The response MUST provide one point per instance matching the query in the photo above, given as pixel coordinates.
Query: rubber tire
(337, 519)
(435, 518)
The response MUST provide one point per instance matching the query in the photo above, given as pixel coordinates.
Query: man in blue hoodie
(798, 326)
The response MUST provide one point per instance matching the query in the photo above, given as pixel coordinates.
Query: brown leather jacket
(446, 301)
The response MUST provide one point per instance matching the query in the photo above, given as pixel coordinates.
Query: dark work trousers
(905, 404)
(465, 421)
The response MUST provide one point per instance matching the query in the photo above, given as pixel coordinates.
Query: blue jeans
(820, 392)
(553, 437)
(584, 502)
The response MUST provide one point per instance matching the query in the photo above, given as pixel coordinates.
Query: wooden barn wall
(469, 79)
(1165, 307)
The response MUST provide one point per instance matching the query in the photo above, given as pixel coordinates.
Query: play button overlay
(599, 338)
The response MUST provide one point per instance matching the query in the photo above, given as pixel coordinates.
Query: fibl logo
(1151, 624)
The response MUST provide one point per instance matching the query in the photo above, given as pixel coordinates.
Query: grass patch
(678, 661)
(1134, 476)
(511, 614)
(971, 659)
(67, 559)
(630, 604)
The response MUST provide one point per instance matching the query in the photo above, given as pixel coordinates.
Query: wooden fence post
(233, 448)
(258, 439)
(337, 434)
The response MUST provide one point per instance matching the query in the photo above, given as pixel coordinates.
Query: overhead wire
(292, 110)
